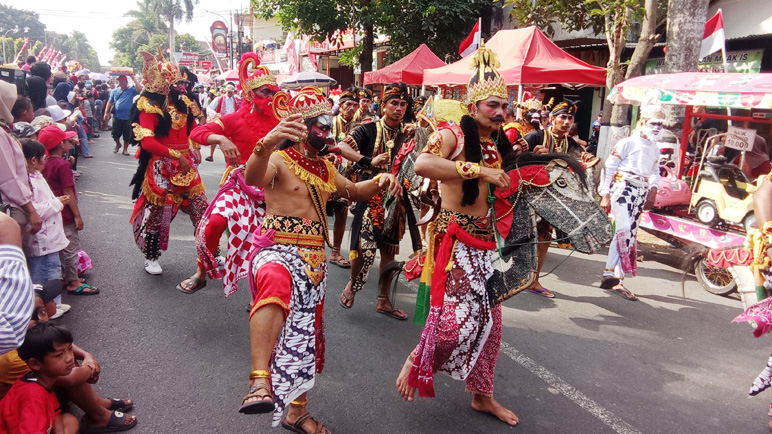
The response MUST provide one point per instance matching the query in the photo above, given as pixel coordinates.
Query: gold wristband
(260, 150)
(175, 154)
(468, 170)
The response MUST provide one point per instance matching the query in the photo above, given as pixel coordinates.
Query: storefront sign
(746, 62)
(189, 59)
(740, 138)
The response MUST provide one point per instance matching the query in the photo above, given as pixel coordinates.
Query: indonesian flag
(713, 39)
(471, 42)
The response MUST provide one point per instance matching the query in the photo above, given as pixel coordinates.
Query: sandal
(338, 259)
(116, 423)
(297, 427)
(120, 404)
(393, 312)
(344, 299)
(196, 285)
(544, 292)
(84, 289)
(266, 404)
(623, 292)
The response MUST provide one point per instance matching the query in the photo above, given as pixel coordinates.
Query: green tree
(613, 18)
(172, 11)
(188, 43)
(433, 22)
(78, 48)
(12, 18)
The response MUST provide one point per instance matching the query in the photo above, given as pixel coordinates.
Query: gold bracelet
(468, 170)
(175, 154)
(260, 150)
(766, 233)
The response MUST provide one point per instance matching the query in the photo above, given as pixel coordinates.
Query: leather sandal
(266, 403)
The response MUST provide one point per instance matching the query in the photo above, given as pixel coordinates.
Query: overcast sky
(99, 18)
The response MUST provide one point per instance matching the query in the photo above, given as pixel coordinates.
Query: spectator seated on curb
(101, 414)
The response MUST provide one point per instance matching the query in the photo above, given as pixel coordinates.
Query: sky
(99, 18)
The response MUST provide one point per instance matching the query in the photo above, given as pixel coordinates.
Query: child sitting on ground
(101, 414)
(58, 173)
(30, 405)
(42, 248)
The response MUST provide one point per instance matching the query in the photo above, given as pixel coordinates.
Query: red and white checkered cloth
(244, 208)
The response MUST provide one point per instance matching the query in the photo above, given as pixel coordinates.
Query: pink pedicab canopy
(527, 56)
(733, 90)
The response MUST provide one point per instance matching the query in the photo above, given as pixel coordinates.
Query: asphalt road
(585, 362)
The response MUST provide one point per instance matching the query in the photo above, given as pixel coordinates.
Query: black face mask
(320, 143)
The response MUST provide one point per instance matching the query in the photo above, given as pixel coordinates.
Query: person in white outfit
(628, 187)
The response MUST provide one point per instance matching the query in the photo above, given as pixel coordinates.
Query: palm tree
(78, 47)
(171, 11)
(146, 22)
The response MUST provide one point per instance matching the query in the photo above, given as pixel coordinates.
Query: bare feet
(347, 297)
(407, 392)
(486, 404)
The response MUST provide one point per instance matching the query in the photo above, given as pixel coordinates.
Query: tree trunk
(366, 56)
(646, 40)
(171, 40)
(616, 27)
(685, 27)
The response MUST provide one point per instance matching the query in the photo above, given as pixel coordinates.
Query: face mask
(320, 135)
(653, 130)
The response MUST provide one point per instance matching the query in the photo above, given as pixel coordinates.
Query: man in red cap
(58, 174)
(288, 270)
(238, 207)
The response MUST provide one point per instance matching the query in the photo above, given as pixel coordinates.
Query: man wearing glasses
(237, 206)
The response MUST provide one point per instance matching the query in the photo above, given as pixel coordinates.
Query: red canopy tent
(409, 69)
(527, 56)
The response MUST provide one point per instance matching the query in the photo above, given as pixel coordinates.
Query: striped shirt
(16, 297)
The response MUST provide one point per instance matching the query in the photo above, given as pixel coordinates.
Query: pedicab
(738, 93)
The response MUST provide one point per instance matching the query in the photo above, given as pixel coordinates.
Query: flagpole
(726, 69)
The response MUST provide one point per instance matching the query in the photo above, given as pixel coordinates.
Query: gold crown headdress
(486, 80)
(158, 74)
(310, 102)
(531, 104)
(252, 75)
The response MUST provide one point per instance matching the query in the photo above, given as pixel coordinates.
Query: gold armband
(260, 150)
(766, 234)
(175, 154)
(141, 132)
(468, 170)
(434, 145)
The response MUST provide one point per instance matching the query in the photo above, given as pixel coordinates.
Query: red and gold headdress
(253, 75)
(486, 80)
(158, 74)
(310, 102)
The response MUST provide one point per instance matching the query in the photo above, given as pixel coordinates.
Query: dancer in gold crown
(463, 331)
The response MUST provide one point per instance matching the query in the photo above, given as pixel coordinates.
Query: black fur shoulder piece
(473, 152)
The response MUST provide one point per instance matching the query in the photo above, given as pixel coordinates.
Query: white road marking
(556, 384)
(575, 396)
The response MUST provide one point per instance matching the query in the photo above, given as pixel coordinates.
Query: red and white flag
(713, 39)
(471, 42)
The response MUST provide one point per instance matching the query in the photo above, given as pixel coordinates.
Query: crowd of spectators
(43, 374)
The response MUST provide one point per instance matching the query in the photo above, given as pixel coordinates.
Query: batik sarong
(462, 332)
(243, 207)
(298, 245)
(628, 196)
(166, 191)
